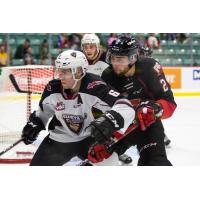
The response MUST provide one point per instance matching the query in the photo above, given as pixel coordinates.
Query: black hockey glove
(103, 128)
(32, 128)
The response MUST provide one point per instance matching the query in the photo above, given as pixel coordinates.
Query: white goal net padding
(15, 107)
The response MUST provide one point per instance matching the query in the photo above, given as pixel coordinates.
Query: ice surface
(183, 129)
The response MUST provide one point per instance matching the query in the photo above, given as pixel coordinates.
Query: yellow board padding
(16, 98)
(37, 97)
(185, 94)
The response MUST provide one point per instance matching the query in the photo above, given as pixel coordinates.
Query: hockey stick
(11, 146)
(135, 125)
(17, 88)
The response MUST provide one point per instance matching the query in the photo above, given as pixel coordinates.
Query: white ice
(182, 129)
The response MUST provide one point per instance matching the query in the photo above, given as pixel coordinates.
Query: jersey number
(114, 93)
(164, 84)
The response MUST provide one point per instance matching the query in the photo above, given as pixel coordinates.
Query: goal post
(16, 104)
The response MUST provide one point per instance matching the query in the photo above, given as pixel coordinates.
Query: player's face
(120, 64)
(90, 51)
(66, 77)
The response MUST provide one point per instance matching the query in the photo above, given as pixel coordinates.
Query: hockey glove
(98, 153)
(32, 129)
(147, 113)
(103, 128)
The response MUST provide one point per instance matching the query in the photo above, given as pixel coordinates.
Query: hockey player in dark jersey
(145, 51)
(90, 45)
(141, 80)
(68, 102)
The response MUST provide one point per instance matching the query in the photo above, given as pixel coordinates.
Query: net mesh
(16, 107)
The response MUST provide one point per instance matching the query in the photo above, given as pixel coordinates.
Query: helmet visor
(121, 58)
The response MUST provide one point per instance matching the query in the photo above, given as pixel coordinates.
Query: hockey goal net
(20, 91)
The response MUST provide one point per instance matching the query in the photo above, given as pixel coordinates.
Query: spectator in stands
(127, 34)
(63, 41)
(74, 41)
(3, 55)
(152, 41)
(44, 51)
(171, 36)
(141, 40)
(167, 36)
(181, 37)
(22, 49)
(46, 62)
(163, 36)
(28, 57)
(112, 37)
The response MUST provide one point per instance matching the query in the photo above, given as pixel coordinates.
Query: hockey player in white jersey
(67, 102)
(96, 57)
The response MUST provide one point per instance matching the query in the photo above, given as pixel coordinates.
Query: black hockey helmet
(124, 46)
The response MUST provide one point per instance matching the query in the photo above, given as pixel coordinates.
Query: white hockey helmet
(72, 59)
(90, 38)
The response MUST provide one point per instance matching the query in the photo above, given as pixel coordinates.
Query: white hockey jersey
(71, 114)
(98, 65)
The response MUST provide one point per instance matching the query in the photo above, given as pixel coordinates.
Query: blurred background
(170, 49)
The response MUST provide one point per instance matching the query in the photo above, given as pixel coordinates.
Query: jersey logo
(60, 106)
(74, 122)
(73, 54)
(94, 83)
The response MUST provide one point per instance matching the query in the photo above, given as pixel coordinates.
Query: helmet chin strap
(124, 73)
(75, 83)
(128, 70)
(131, 71)
(130, 65)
